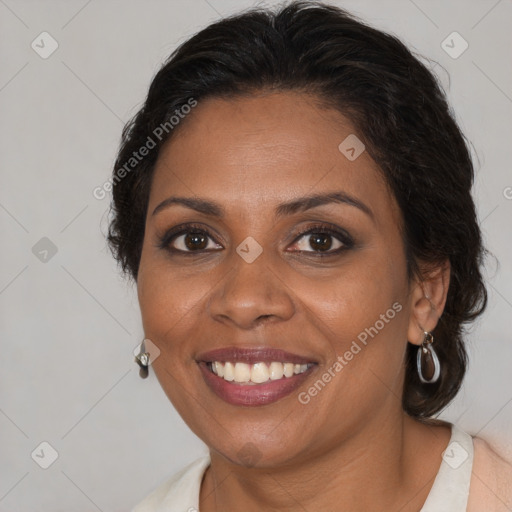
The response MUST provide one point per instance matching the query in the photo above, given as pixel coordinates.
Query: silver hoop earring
(142, 359)
(429, 368)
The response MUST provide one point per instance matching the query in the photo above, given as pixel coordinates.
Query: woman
(293, 202)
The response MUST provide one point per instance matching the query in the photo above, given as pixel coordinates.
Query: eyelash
(341, 235)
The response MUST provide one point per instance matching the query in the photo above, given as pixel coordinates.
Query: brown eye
(188, 239)
(320, 242)
(192, 241)
(195, 241)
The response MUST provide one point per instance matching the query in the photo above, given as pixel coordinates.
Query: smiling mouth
(254, 376)
(257, 373)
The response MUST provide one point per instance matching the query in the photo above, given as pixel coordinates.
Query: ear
(428, 298)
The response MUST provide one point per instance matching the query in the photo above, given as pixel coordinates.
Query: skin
(351, 447)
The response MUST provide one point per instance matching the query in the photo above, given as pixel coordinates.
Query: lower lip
(253, 395)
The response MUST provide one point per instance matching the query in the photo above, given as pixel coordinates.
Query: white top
(448, 494)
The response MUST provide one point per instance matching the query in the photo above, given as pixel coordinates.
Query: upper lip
(252, 355)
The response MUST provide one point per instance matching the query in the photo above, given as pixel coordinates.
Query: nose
(252, 293)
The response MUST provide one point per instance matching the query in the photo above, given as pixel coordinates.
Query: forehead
(262, 150)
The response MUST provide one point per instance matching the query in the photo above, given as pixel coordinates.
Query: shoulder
(491, 480)
(179, 492)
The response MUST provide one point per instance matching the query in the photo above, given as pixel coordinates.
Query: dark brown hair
(400, 112)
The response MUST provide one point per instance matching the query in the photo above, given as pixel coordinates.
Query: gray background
(69, 323)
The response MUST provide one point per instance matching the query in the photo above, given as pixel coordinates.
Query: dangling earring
(427, 361)
(142, 359)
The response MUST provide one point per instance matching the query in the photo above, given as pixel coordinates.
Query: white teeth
(242, 372)
(288, 369)
(276, 371)
(219, 369)
(229, 372)
(256, 373)
(259, 373)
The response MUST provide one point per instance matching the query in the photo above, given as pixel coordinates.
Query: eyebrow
(300, 204)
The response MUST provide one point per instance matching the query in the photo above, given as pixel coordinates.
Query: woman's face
(244, 277)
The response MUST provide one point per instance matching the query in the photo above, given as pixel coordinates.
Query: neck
(387, 465)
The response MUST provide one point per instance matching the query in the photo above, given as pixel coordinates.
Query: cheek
(170, 302)
(354, 296)
(361, 310)
(169, 306)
